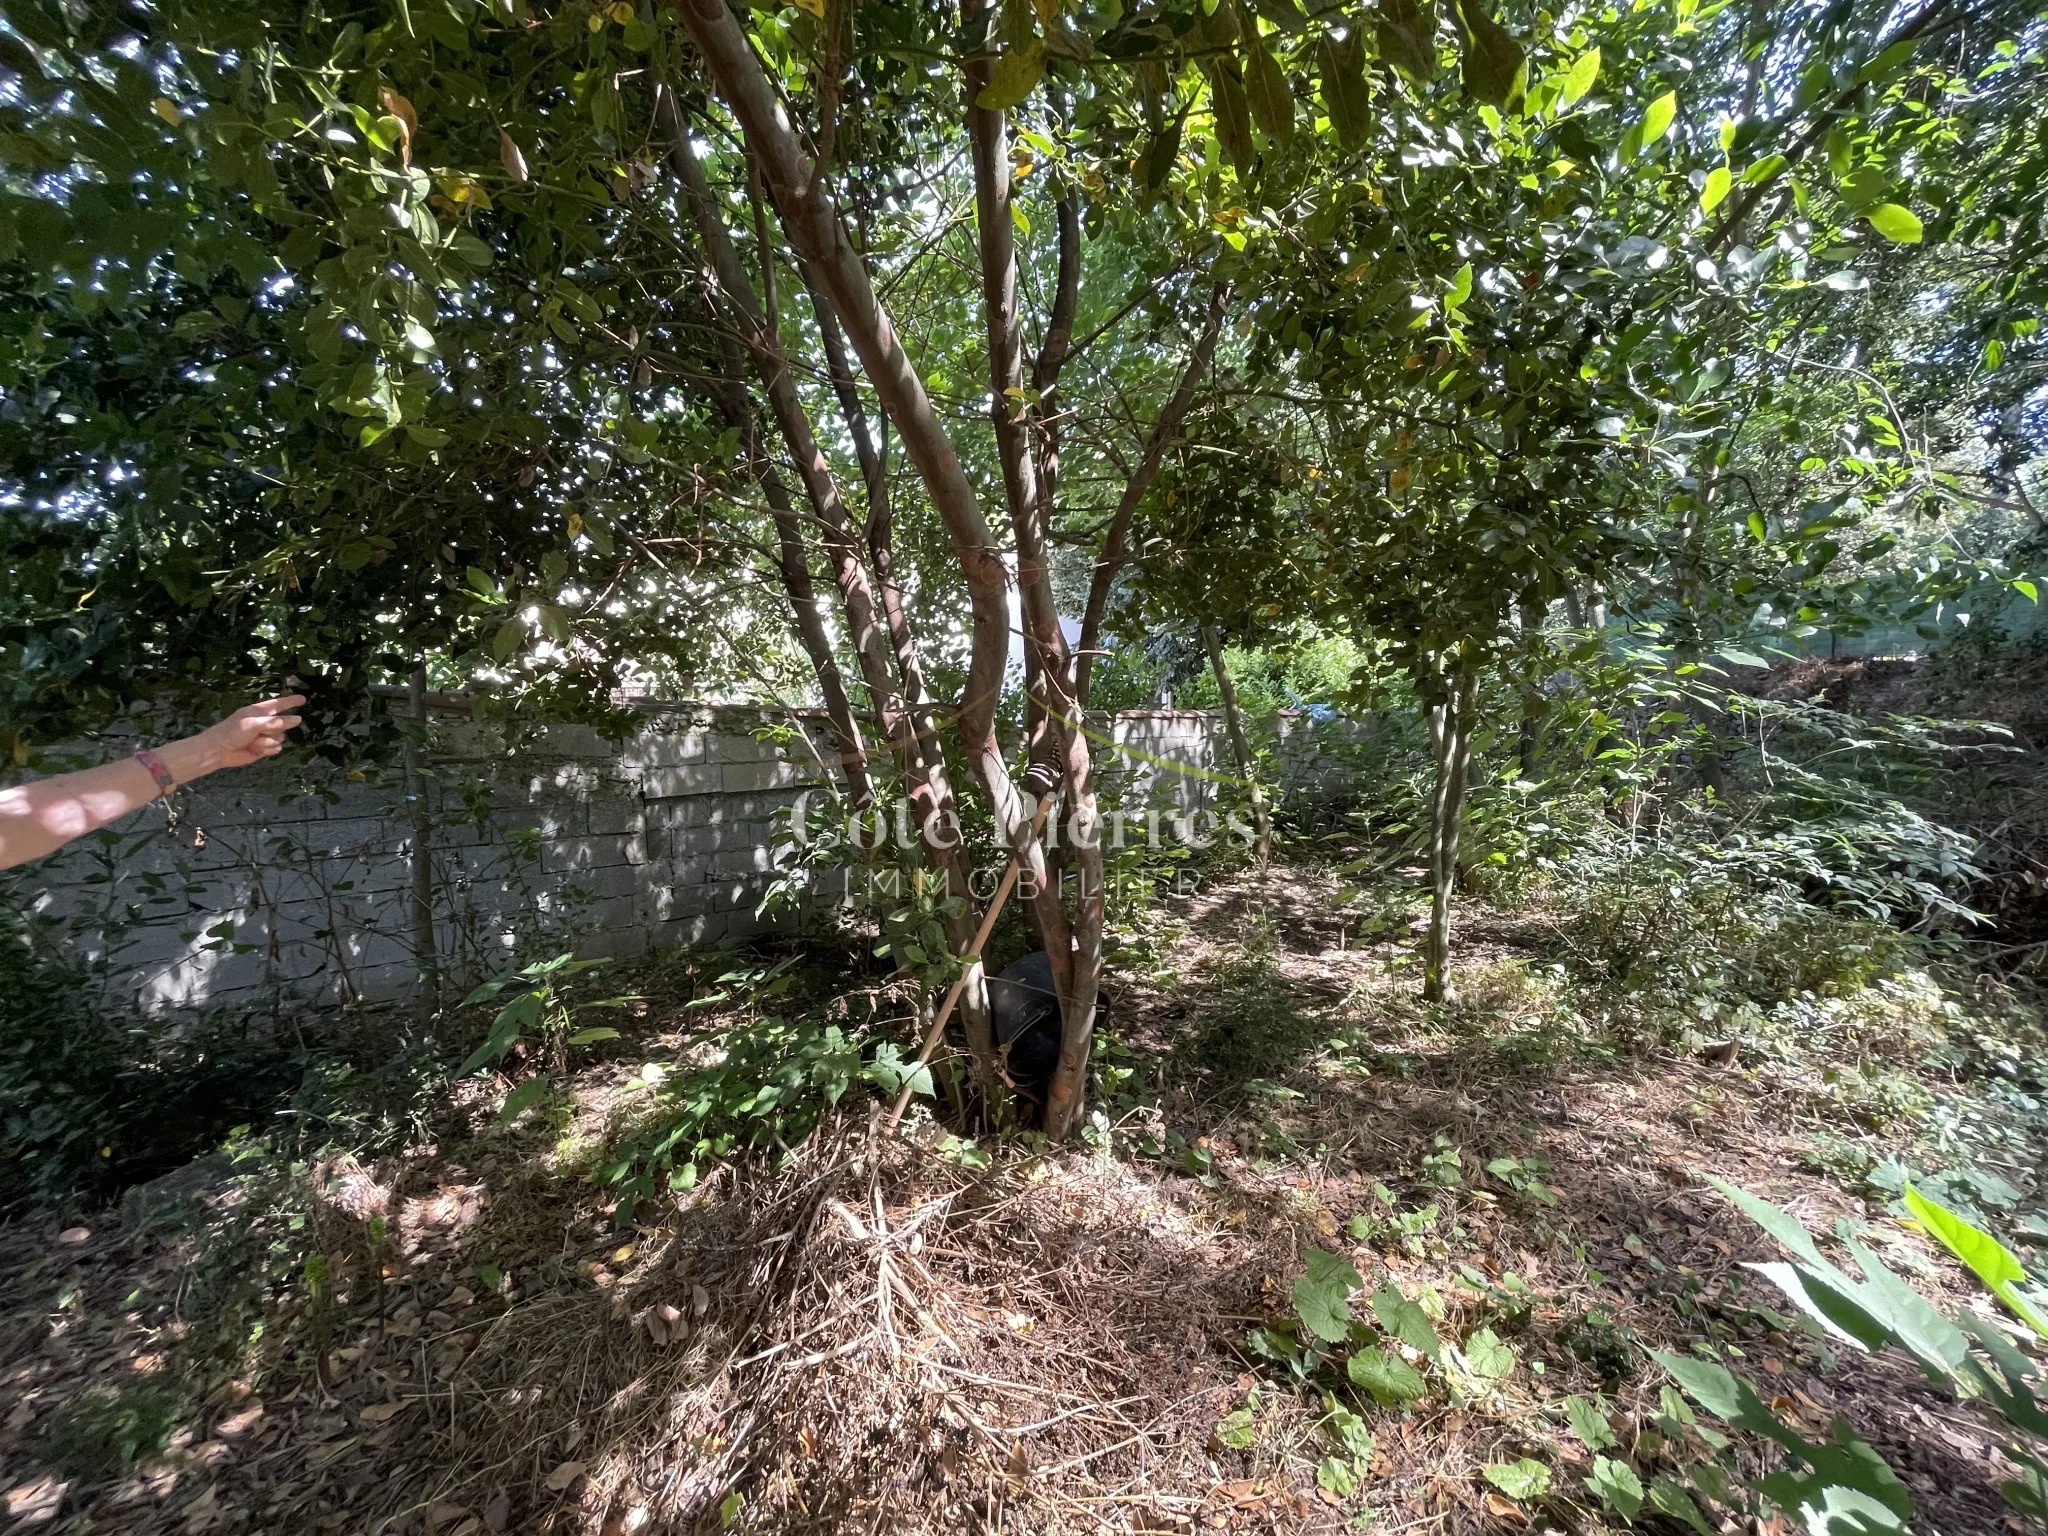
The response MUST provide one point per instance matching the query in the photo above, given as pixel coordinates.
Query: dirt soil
(878, 1335)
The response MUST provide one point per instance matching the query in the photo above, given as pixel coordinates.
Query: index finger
(275, 706)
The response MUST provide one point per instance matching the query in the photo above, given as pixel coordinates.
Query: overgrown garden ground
(867, 1334)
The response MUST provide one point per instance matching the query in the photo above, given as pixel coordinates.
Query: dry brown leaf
(564, 1475)
(378, 1413)
(498, 1513)
(657, 1328)
(700, 1301)
(74, 1235)
(1504, 1509)
(439, 1515)
(509, 157)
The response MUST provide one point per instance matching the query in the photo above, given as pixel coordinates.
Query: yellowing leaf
(167, 109)
(620, 11)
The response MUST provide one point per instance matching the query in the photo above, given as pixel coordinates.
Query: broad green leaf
(1488, 1356)
(1895, 223)
(1617, 1486)
(1237, 1430)
(1580, 78)
(591, 1036)
(1326, 1268)
(1847, 1487)
(1406, 32)
(1406, 1321)
(1345, 98)
(1524, 1479)
(1390, 1379)
(1657, 117)
(1321, 1295)
(1493, 63)
(1272, 103)
(507, 639)
(1016, 73)
(1335, 1475)
(1669, 1497)
(1716, 188)
(523, 1098)
(1233, 113)
(1461, 288)
(1988, 1259)
(1763, 170)
(1727, 1397)
(1588, 1423)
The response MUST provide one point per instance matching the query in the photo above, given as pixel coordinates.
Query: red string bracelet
(164, 782)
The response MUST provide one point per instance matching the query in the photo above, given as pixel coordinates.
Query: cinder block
(657, 747)
(571, 854)
(751, 778)
(611, 817)
(595, 884)
(675, 781)
(573, 741)
(742, 860)
(734, 747)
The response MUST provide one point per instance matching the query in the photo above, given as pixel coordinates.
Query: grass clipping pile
(864, 1338)
(867, 1337)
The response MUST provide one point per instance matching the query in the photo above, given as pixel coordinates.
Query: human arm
(37, 819)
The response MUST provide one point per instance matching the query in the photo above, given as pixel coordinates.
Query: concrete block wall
(274, 886)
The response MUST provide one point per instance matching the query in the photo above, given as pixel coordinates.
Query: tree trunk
(1450, 740)
(425, 950)
(1078, 975)
(812, 223)
(931, 799)
(1240, 743)
(1117, 535)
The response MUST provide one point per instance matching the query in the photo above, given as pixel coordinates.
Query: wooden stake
(988, 923)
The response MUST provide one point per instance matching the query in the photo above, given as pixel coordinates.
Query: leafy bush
(770, 1083)
(1844, 1484)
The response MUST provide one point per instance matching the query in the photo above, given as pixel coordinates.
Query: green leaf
(507, 639)
(1321, 1295)
(1763, 170)
(1617, 1486)
(1658, 116)
(1406, 32)
(1334, 1475)
(1272, 103)
(1580, 78)
(1342, 67)
(1988, 1259)
(1895, 223)
(591, 1036)
(1487, 1356)
(1237, 1430)
(1726, 1397)
(1461, 288)
(1588, 1423)
(1406, 1321)
(523, 1098)
(1493, 62)
(1233, 113)
(1015, 76)
(1390, 1379)
(2027, 590)
(1718, 181)
(1669, 1497)
(1524, 1479)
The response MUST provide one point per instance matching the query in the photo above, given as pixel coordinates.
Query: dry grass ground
(876, 1335)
